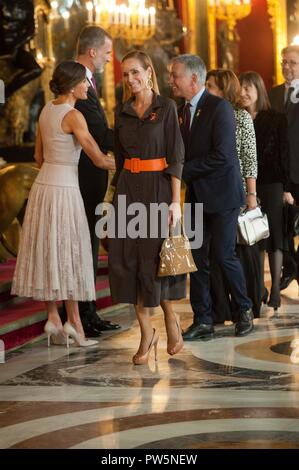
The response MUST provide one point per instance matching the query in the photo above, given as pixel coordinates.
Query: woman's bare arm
(74, 122)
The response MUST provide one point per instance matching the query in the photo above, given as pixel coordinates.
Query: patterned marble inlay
(225, 393)
(229, 440)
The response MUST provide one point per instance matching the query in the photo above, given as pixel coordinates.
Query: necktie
(94, 84)
(186, 122)
(288, 99)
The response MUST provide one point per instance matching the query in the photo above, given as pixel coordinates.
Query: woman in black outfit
(273, 172)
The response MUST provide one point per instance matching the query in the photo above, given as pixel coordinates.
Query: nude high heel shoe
(79, 341)
(180, 342)
(140, 360)
(55, 335)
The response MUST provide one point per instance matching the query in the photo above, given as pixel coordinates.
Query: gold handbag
(176, 256)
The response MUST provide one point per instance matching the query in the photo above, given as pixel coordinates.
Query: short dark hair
(67, 75)
(91, 37)
(227, 81)
(253, 78)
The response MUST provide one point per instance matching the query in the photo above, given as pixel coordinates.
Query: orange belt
(136, 165)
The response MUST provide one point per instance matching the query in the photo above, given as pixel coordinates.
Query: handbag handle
(182, 232)
(245, 210)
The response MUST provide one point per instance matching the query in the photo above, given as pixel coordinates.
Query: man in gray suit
(280, 99)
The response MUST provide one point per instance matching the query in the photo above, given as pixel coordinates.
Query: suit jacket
(276, 96)
(211, 168)
(93, 180)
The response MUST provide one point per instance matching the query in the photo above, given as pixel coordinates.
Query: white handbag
(253, 226)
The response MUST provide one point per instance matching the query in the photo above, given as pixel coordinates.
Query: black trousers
(219, 234)
(223, 306)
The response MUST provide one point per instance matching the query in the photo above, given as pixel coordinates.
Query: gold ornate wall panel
(192, 27)
(212, 43)
(109, 92)
(43, 44)
(195, 18)
(278, 20)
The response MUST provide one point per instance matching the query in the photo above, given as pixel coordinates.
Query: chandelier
(133, 21)
(230, 11)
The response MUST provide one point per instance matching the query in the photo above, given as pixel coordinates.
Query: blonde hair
(145, 62)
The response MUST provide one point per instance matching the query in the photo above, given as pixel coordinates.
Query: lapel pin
(153, 117)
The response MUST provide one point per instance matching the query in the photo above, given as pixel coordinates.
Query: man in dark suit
(94, 51)
(212, 174)
(281, 100)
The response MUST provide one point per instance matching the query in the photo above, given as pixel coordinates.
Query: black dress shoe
(91, 331)
(105, 325)
(245, 324)
(198, 331)
(285, 281)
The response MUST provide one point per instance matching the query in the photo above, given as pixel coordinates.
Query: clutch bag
(176, 256)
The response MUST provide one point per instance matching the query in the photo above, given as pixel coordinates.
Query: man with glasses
(281, 100)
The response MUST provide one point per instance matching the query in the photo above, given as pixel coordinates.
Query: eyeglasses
(291, 63)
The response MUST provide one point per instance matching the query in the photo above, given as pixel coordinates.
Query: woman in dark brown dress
(149, 155)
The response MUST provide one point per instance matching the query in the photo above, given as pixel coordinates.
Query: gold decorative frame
(43, 22)
(195, 18)
(278, 21)
(212, 47)
(109, 92)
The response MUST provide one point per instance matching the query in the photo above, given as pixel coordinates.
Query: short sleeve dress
(133, 261)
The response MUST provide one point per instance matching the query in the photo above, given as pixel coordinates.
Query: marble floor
(226, 393)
